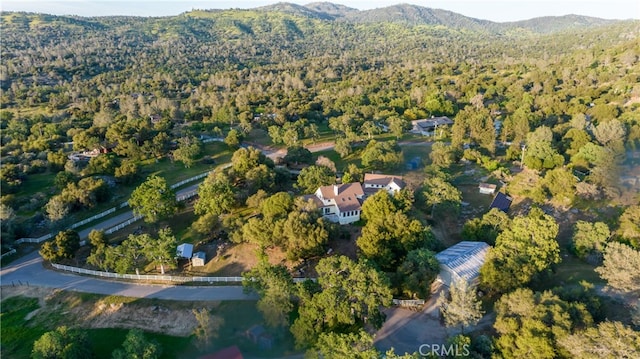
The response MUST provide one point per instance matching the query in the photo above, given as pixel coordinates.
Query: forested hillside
(549, 108)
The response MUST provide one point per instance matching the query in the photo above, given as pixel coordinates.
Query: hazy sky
(502, 10)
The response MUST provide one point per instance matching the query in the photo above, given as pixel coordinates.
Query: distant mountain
(549, 24)
(418, 15)
(335, 10)
(297, 10)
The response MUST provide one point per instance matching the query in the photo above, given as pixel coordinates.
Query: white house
(376, 182)
(487, 188)
(462, 261)
(340, 203)
(343, 203)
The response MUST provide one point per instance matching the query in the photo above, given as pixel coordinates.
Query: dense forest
(548, 106)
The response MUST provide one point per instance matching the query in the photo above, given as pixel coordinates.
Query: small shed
(501, 201)
(487, 188)
(199, 259)
(185, 250)
(462, 261)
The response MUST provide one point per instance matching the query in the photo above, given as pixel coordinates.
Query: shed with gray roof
(462, 261)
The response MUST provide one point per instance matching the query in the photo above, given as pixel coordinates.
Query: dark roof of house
(501, 201)
(433, 122)
(227, 353)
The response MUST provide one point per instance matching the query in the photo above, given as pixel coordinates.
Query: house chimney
(335, 189)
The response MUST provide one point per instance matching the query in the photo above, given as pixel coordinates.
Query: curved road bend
(28, 270)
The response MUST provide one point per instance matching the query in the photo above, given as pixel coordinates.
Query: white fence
(122, 225)
(187, 195)
(408, 303)
(99, 215)
(13, 251)
(151, 277)
(208, 140)
(202, 175)
(34, 240)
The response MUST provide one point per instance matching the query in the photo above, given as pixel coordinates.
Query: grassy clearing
(571, 271)
(105, 341)
(259, 136)
(341, 163)
(17, 331)
(238, 316)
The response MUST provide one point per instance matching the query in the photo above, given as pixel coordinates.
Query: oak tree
(154, 200)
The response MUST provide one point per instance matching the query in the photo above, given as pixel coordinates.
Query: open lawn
(259, 136)
(17, 335)
(174, 171)
(571, 271)
(341, 163)
(105, 341)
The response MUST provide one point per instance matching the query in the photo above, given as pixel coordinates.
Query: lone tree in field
(462, 307)
(154, 200)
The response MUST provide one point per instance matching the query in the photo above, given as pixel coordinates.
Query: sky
(494, 10)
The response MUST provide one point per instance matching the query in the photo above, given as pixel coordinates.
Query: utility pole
(524, 148)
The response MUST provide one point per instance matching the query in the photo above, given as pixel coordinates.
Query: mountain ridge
(419, 15)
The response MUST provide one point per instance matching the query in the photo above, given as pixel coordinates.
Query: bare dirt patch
(234, 259)
(156, 318)
(88, 311)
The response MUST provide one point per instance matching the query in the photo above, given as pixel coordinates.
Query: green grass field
(17, 333)
(105, 341)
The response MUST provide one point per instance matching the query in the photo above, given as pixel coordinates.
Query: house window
(327, 210)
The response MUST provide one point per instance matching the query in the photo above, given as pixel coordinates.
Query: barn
(462, 261)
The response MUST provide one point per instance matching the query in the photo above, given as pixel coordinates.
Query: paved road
(29, 270)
